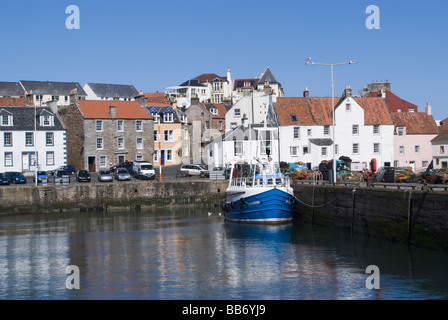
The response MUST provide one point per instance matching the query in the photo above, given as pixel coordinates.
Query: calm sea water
(187, 254)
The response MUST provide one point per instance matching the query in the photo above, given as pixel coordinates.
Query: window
(155, 156)
(294, 151)
(396, 163)
(398, 110)
(294, 117)
(139, 125)
(442, 149)
(376, 129)
(139, 143)
(411, 110)
(401, 131)
(168, 117)
(336, 149)
(309, 132)
(305, 150)
(29, 139)
(203, 91)
(326, 130)
(216, 86)
(217, 98)
(417, 149)
(99, 125)
(238, 145)
(120, 125)
(355, 148)
(296, 132)
(425, 164)
(193, 91)
(214, 111)
(103, 161)
(120, 143)
(50, 158)
(376, 148)
(237, 112)
(46, 120)
(6, 120)
(7, 139)
(49, 138)
(168, 135)
(348, 107)
(169, 155)
(99, 143)
(324, 151)
(220, 125)
(355, 129)
(401, 150)
(207, 125)
(8, 159)
(233, 125)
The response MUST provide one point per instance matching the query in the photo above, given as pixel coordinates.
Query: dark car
(61, 175)
(128, 165)
(15, 177)
(83, 176)
(4, 180)
(69, 169)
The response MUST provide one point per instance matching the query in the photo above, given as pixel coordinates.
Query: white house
(440, 150)
(43, 92)
(31, 138)
(363, 130)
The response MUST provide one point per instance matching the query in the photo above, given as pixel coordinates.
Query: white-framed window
(348, 107)
(237, 112)
(305, 150)
(401, 150)
(7, 139)
(401, 131)
(8, 159)
(99, 143)
(233, 125)
(46, 120)
(214, 111)
(220, 125)
(355, 129)
(120, 143)
(356, 148)
(99, 125)
(168, 135)
(169, 155)
(326, 130)
(49, 138)
(216, 86)
(309, 132)
(103, 161)
(156, 136)
(411, 110)
(425, 164)
(29, 139)
(376, 148)
(6, 121)
(207, 125)
(139, 125)
(398, 110)
(155, 156)
(168, 117)
(417, 149)
(396, 164)
(238, 145)
(376, 129)
(203, 91)
(139, 143)
(217, 98)
(294, 151)
(120, 125)
(324, 151)
(442, 149)
(296, 133)
(50, 158)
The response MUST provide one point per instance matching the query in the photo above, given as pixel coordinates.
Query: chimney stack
(74, 97)
(306, 93)
(141, 99)
(347, 91)
(428, 109)
(113, 112)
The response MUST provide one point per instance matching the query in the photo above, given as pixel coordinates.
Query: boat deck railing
(250, 182)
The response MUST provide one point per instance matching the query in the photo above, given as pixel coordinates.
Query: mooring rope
(314, 206)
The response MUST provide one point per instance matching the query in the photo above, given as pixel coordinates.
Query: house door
(92, 164)
(162, 157)
(120, 159)
(412, 164)
(25, 161)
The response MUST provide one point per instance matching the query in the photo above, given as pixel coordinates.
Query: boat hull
(259, 205)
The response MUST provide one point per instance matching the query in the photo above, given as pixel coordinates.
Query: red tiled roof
(14, 102)
(285, 107)
(394, 102)
(415, 122)
(375, 111)
(158, 97)
(444, 125)
(207, 77)
(99, 109)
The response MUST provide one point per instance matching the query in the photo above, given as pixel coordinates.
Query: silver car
(105, 176)
(122, 174)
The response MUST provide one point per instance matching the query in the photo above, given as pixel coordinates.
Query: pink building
(412, 139)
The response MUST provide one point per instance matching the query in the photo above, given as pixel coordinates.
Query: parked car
(15, 177)
(83, 175)
(121, 174)
(127, 165)
(4, 180)
(41, 175)
(69, 169)
(195, 170)
(61, 176)
(105, 175)
(144, 170)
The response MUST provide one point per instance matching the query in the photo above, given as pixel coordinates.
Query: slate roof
(52, 88)
(221, 107)
(14, 102)
(23, 119)
(415, 122)
(267, 76)
(99, 109)
(11, 89)
(192, 83)
(113, 90)
(441, 137)
(163, 109)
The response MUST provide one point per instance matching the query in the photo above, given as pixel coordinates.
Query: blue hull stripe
(270, 206)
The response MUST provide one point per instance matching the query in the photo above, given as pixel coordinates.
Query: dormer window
(401, 132)
(168, 117)
(294, 117)
(46, 120)
(214, 111)
(6, 120)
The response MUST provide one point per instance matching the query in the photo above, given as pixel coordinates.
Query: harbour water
(188, 254)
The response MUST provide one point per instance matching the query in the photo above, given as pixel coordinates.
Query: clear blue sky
(156, 44)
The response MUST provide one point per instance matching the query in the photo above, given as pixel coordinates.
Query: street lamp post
(332, 65)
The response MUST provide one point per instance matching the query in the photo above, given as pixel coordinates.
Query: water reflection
(186, 254)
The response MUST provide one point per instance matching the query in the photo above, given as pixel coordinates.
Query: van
(144, 170)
